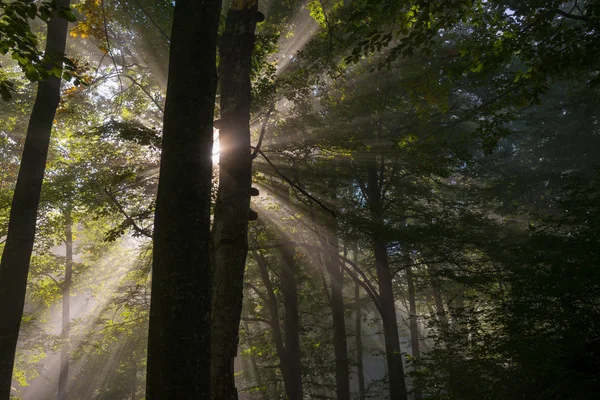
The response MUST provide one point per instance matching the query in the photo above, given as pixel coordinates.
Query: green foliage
(18, 40)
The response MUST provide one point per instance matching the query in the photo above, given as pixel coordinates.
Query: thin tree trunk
(336, 276)
(393, 352)
(134, 379)
(14, 266)
(436, 288)
(63, 378)
(329, 241)
(414, 328)
(233, 199)
(291, 325)
(276, 333)
(359, 347)
(179, 333)
(256, 370)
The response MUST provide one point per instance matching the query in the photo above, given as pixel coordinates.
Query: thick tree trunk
(359, 347)
(393, 352)
(414, 328)
(336, 276)
(233, 199)
(63, 377)
(14, 266)
(179, 333)
(291, 324)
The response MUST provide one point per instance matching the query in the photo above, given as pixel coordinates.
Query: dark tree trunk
(414, 328)
(14, 266)
(233, 199)
(336, 276)
(179, 333)
(393, 352)
(63, 377)
(291, 325)
(359, 347)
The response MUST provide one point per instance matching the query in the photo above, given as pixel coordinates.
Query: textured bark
(414, 328)
(359, 347)
(336, 276)
(393, 352)
(14, 266)
(63, 378)
(179, 332)
(291, 323)
(233, 199)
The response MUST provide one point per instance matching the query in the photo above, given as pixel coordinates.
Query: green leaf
(32, 11)
(5, 93)
(32, 74)
(68, 15)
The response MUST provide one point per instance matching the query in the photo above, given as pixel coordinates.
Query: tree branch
(130, 220)
(292, 184)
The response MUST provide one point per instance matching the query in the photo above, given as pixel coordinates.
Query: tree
(179, 334)
(232, 208)
(14, 266)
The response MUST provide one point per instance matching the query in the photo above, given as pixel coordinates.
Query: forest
(299, 199)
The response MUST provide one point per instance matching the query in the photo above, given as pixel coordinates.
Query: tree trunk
(134, 379)
(414, 328)
(179, 333)
(336, 276)
(14, 266)
(233, 199)
(393, 352)
(359, 347)
(63, 377)
(436, 288)
(256, 370)
(276, 333)
(291, 325)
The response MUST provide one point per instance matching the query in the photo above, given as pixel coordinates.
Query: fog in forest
(292, 199)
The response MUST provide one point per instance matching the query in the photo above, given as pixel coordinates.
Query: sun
(216, 148)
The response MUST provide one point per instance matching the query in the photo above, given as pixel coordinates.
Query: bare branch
(292, 184)
(130, 220)
(262, 132)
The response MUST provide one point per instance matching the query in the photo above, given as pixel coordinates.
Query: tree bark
(359, 347)
(233, 200)
(63, 377)
(179, 333)
(393, 352)
(14, 266)
(414, 328)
